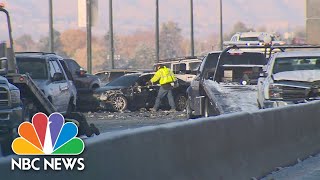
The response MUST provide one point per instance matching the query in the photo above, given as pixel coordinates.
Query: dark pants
(165, 91)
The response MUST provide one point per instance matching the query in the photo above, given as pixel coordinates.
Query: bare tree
(170, 40)
(25, 43)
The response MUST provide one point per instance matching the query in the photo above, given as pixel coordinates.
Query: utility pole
(221, 27)
(157, 31)
(191, 23)
(111, 34)
(89, 45)
(51, 37)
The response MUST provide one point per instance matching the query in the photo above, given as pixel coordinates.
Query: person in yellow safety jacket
(165, 77)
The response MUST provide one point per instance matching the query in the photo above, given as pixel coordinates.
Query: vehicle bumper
(10, 118)
(101, 101)
(273, 104)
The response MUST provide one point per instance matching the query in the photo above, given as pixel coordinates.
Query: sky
(31, 16)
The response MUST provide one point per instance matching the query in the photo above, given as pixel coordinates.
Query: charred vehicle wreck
(231, 66)
(132, 92)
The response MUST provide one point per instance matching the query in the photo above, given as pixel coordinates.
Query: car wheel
(181, 102)
(119, 103)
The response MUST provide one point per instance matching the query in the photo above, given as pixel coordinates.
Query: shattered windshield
(36, 68)
(124, 81)
(296, 64)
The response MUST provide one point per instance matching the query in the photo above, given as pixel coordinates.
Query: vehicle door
(206, 72)
(145, 94)
(59, 86)
(263, 81)
(72, 87)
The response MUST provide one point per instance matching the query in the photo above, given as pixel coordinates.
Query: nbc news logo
(48, 136)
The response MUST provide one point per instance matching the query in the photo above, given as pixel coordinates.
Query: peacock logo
(48, 136)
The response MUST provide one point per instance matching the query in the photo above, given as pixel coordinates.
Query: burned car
(290, 78)
(132, 92)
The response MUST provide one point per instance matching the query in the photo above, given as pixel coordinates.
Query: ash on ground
(113, 121)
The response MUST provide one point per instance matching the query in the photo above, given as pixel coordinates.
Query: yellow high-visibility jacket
(165, 75)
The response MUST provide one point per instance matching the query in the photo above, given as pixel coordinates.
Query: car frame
(137, 95)
(201, 99)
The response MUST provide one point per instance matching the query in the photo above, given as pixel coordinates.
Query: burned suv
(291, 77)
(47, 72)
(230, 66)
(132, 92)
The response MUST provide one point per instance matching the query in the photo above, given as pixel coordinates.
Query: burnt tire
(119, 103)
(181, 102)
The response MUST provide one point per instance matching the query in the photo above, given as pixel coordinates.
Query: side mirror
(3, 66)
(57, 77)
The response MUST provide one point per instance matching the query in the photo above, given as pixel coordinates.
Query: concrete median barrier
(237, 146)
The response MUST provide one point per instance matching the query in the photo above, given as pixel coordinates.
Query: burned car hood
(107, 88)
(302, 76)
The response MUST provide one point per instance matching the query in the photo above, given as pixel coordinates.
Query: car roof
(254, 34)
(138, 74)
(39, 55)
(297, 54)
(218, 52)
(215, 52)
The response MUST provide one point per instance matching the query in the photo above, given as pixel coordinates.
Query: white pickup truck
(290, 78)
(254, 38)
